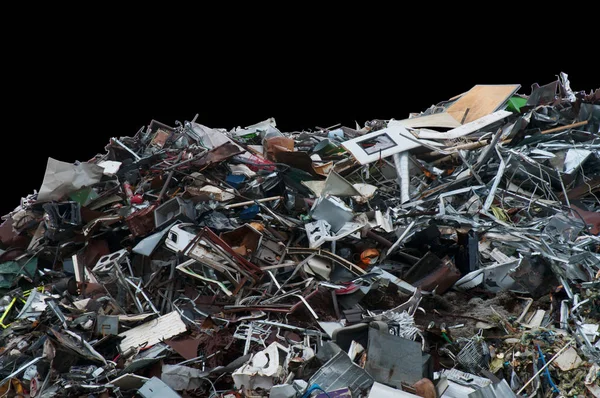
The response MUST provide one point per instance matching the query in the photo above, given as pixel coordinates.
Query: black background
(66, 91)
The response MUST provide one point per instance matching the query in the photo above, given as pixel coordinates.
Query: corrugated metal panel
(340, 372)
(153, 332)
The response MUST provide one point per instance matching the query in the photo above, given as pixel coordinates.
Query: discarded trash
(455, 253)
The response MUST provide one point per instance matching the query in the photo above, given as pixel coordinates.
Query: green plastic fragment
(515, 103)
(84, 196)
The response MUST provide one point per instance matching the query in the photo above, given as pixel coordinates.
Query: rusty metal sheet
(298, 160)
(93, 251)
(92, 226)
(160, 138)
(245, 240)
(187, 347)
(431, 272)
(206, 233)
(9, 238)
(11, 254)
(217, 155)
(197, 195)
(275, 145)
(141, 223)
(88, 215)
(592, 219)
(591, 187)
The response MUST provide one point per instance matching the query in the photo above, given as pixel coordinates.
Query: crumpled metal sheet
(73, 343)
(62, 178)
(218, 155)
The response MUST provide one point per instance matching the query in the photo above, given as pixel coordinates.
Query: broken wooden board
(480, 101)
(443, 119)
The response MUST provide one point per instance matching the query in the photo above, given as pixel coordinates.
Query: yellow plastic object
(5, 314)
(12, 303)
(499, 213)
(12, 384)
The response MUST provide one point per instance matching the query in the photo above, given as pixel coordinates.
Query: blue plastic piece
(250, 212)
(235, 180)
(314, 387)
(546, 372)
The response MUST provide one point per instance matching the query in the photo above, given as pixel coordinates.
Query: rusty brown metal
(285, 309)
(93, 251)
(93, 225)
(160, 138)
(11, 254)
(431, 272)
(217, 155)
(249, 267)
(246, 238)
(9, 238)
(590, 187)
(141, 223)
(592, 219)
(186, 347)
(298, 160)
(275, 145)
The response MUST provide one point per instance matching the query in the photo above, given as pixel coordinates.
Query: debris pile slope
(455, 253)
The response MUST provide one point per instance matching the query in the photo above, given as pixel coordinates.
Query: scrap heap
(455, 253)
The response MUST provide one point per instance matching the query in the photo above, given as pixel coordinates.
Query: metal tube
(251, 202)
(127, 149)
(401, 163)
(21, 369)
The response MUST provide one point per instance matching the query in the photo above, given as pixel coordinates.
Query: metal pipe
(21, 369)
(251, 202)
(380, 239)
(164, 188)
(127, 149)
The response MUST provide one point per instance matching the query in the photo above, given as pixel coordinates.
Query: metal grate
(474, 355)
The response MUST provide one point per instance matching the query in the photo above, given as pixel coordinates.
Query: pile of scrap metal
(455, 253)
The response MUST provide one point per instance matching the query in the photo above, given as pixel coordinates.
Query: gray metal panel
(156, 388)
(393, 359)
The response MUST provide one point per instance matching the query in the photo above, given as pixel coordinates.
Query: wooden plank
(480, 101)
(436, 120)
